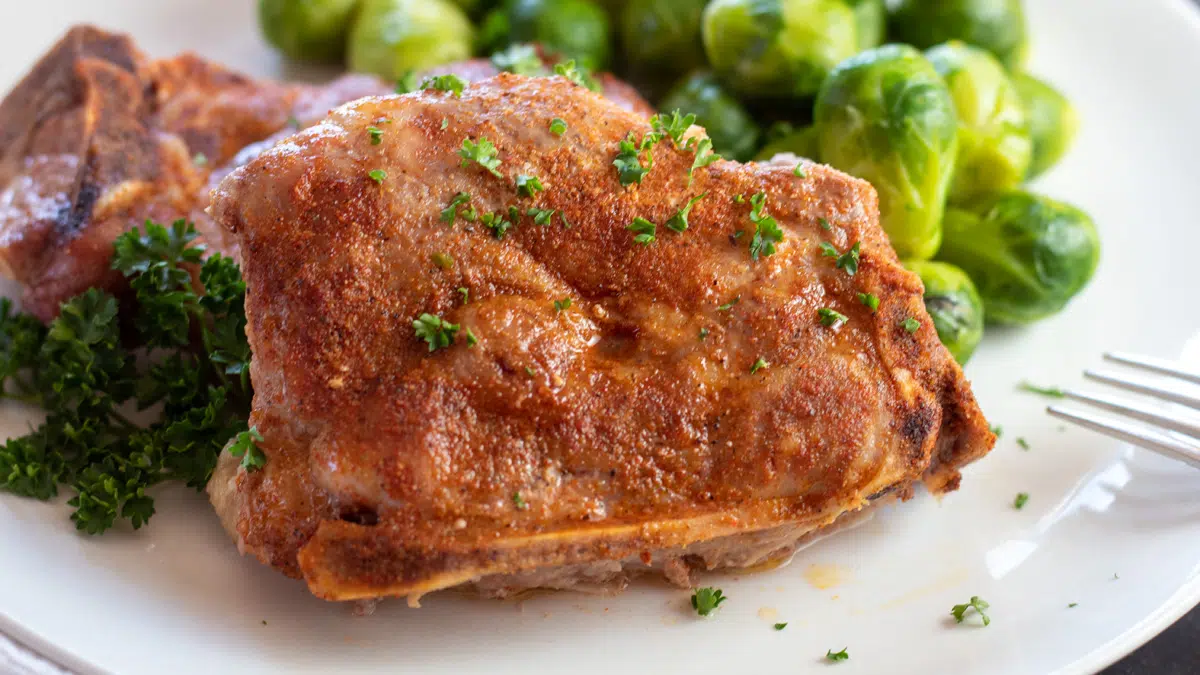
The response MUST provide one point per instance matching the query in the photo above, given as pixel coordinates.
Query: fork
(1174, 435)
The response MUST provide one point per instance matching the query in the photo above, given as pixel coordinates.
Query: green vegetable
(706, 600)
(843, 655)
(307, 30)
(767, 232)
(1021, 500)
(540, 216)
(393, 37)
(528, 186)
(1027, 254)
(830, 317)
(628, 161)
(558, 126)
(759, 364)
(778, 49)
(1049, 392)
(870, 300)
(574, 29)
(661, 40)
(679, 221)
(451, 83)
(911, 325)
(497, 224)
(954, 305)
(733, 131)
(781, 626)
(870, 18)
(518, 500)
(1053, 122)
(81, 371)
(886, 116)
(994, 145)
(482, 152)
(560, 305)
(729, 305)
(995, 25)
(644, 231)
(801, 142)
(377, 175)
(978, 604)
(452, 211)
(435, 330)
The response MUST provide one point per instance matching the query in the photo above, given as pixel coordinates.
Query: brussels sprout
(995, 25)
(661, 39)
(393, 37)
(1027, 254)
(308, 30)
(733, 131)
(801, 142)
(871, 22)
(777, 48)
(573, 29)
(886, 116)
(994, 146)
(1053, 122)
(953, 304)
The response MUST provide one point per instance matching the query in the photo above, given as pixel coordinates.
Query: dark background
(1175, 652)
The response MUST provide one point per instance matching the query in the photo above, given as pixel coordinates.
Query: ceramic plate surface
(1113, 529)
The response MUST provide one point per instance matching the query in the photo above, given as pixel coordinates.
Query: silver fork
(1183, 444)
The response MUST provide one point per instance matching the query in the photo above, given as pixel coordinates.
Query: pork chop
(691, 407)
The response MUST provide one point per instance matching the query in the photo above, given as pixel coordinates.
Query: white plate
(177, 598)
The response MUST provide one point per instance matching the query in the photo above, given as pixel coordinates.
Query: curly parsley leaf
(435, 331)
(843, 655)
(245, 445)
(706, 600)
(450, 82)
(644, 231)
(976, 603)
(482, 152)
(767, 232)
(679, 221)
(673, 126)
(528, 186)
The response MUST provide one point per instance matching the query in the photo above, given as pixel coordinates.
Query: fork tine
(1139, 411)
(1160, 366)
(1130, 434)
(1143, 386)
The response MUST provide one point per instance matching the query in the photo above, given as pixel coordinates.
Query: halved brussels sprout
(777, 48)
(572, 29)
(995, 25)
(800, 142)
(1053, 122)
(886, 116)
(871, 21)
(1027, 254)
(994, 146)
(393, 37)
(733, 131)
(307, 30)
(660, 39)
(954, 305)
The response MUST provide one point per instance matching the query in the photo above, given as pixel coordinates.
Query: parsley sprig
(959, 612)
(767, 232)
(706, 600)
(82, 370)
(482, 152)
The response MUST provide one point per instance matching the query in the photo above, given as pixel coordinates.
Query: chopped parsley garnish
(377, 175)
(192, 369)
(870, 300)
(767, 232)
(679, 221)
(465, 293)
(518, 500)
(579, 76)
(799, 171)
(831, 318)
(541, 216)
(445, 123)
(519, 59)
(530, 371)
(376, 135)
(443, 260)
(450, 82)
(739, 199)
(245, 446)
(643, 230)
(558, 126)
(1020, 501)
(978, 604)
(845, 261)
(1073, 605)
(759, 365)
(560, 305)
(781, 626)
(496, 223)
(997, 430)
(911, 325)
(703, 334)
(672, 126)
(843, 655)
(528, 186)
(1051, 392)
(451, 211)
(514, 214)
(483, 152)
(729, 305)
(471, 339)
(628, 162)
(706, 600)
(1024, 444)
(824, 224)
(566, 223)
(438, 332)
(704, 155)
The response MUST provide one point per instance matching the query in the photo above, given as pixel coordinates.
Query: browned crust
(391, 470)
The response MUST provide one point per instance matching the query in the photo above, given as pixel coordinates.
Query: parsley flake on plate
(451, 83)
(482, 152)
(679, 221)
(1021, 500)
(436, 331)
(1022, 443)
(976, 603)
(843, 655)
(1050, 392)
(644, 231)
(781, 626)
(706, 600)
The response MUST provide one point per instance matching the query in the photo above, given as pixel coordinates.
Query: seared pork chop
(691, 408)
